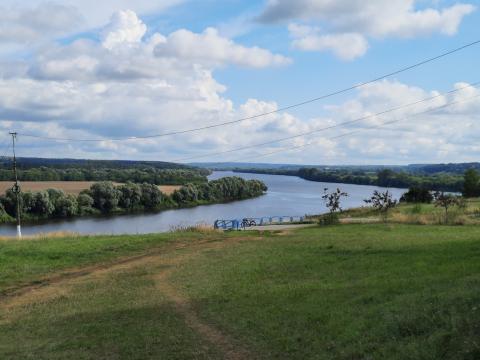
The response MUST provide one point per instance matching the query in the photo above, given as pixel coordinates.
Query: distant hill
(451, 168)
(27, 163)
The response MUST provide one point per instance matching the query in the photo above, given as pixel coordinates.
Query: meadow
(354, 291)
(468, 213)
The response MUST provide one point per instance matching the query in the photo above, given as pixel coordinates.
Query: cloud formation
(346, 46)
(121, 80)
(343, 24)
(127, 84)
(26, 25)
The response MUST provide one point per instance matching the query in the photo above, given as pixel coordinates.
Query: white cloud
(124, 28)
(143, 85)
(347, 23)
(31, 24)
(346, 46)
(127, 84)
(211, 49)
(95, 13)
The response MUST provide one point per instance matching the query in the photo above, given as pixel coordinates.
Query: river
(286, 196)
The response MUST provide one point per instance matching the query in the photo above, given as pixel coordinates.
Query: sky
(115, 69)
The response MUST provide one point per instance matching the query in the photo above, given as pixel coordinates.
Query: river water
(286, 196)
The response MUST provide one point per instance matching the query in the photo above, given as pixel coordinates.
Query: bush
(329, 219)
(417, 195)
(382, 202)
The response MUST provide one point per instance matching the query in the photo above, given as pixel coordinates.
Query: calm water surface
(286, 196)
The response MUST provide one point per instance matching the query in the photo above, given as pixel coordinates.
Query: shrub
(417, 195)
(383, 202)
(333, 200)
(446, 201)
(329, 219)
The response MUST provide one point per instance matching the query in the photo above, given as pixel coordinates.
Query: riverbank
(384, 177)
(110, 199)
(286, 196)
(383, 291)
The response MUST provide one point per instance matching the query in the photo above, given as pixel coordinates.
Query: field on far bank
(69, 187)
(370, 291)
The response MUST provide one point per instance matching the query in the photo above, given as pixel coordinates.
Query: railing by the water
(239, 224)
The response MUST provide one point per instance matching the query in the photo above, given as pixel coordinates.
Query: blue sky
(77, 69)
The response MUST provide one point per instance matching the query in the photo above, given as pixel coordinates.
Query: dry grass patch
(69, 187)
(43, 236)
(169, 189)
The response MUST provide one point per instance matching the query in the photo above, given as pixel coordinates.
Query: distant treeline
(384, 178)
(106, 198)
(28, 163)
(149, 175)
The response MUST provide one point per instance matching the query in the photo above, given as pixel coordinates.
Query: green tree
(41, 204)
(446, 201)
(151, 197)
(383, 202)
(130, 196)
(85, 204)
(66, 206)
(471, 187)
(105, 196)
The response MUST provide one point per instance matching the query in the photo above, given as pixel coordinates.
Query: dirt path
(229, 348)
(166, 260)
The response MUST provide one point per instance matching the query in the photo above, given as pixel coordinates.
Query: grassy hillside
(339, 292)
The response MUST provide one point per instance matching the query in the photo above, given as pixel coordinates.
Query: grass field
(69, 187)
(421, 214)
(371, 291)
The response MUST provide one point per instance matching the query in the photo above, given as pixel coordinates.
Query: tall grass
(42, 236)
(198, 228)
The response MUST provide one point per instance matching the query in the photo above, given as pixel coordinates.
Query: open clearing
(70, 187)
(339, 292)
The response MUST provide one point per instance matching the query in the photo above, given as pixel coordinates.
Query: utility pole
(16, 187)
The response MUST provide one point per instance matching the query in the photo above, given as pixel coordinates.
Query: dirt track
(166, 259)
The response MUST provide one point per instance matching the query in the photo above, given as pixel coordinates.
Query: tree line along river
(286, 196)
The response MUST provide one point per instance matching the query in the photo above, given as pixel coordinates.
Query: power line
(473, 85)
(359, 130)
(322, 97)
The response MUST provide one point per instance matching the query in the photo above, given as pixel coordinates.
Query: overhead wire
(322, 97)
(359, 130)
(349, 122)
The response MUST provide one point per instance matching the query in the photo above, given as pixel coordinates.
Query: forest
(383, 177)
(106, 198)
(150, 175)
